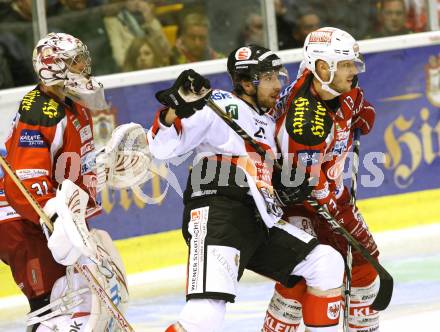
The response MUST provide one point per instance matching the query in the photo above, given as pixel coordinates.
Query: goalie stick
(385, 292)
(47, 226)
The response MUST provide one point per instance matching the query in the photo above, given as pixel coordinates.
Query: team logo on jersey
(232, 111)
(29, 99)
(31, 139)
(333, 309)
(50, 108)
(85, 133)
(243, 53)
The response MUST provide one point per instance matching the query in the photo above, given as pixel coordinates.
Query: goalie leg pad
(71, 296)
(201, 315)
(65, 323)
(111, 275)
(285, 310)
(365, 285)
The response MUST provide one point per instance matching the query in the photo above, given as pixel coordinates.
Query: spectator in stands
(392, 19)
(284, 25)
(16, 11)
(252, 31)
(16, 43)
(143, 54)
(354, 16)
(87, 24)
(15, 70)
(192, 43)
(306, 21)
(417, 15)
(135, 20)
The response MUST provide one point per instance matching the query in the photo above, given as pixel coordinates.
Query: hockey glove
(290, 195)
(189, 93)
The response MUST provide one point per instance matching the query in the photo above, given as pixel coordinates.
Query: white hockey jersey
(209, 135)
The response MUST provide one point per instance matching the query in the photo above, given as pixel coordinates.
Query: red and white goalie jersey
(50, 141)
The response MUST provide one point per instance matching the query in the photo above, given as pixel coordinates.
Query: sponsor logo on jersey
(24, 174)
(76, 124)
(29, 99)
(318, 120)
(89, 146)
(50, 108)
(88, 163)
(219, 95)
(243, 53)
(301, 105)
(308, 157)
(31, 139)
(340, 147)
(85, 133)
(232, 111)
(198, 228)
(333, 309)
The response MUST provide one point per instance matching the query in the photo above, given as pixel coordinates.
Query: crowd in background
(129, 35)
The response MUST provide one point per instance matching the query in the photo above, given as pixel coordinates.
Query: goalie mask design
(61, 59)
(55, 55)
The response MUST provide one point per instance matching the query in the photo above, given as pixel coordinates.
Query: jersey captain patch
(39, 109)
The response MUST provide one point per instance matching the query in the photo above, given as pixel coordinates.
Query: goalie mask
(254, 63)
(63, 60)
(331, 45)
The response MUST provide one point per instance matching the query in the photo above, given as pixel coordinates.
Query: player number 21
(40, 190)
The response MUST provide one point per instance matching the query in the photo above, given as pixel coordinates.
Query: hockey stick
(349, 258)
(385, 292)
(47, 226)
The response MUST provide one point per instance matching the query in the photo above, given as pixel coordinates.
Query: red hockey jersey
(50, 141)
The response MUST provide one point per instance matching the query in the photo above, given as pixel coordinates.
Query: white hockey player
(231, 216)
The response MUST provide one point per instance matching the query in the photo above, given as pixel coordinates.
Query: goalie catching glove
(125, 160)
(189, 93)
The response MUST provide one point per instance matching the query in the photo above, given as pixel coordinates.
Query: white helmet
(55, 53)
(331, 45)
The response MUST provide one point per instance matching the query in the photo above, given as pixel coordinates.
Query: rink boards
(399, 178)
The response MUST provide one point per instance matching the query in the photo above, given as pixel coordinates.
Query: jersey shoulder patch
(38, 109)
(228, 102)
(308, 122)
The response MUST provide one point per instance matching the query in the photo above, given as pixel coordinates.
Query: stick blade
(385, 292)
